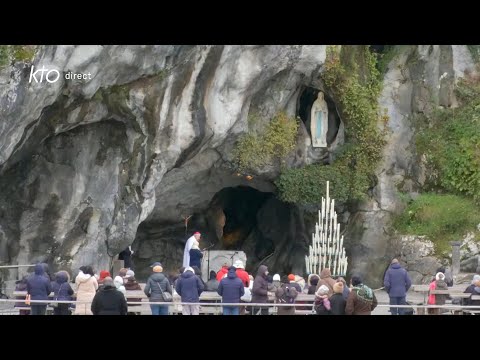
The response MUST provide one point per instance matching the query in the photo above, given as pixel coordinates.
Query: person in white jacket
(87, 286)
(118, 282)
(186, 252)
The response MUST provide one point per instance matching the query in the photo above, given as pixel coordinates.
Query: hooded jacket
(109, 301)
(231, 288)
(396, 281)
(327, 280)
(38, 286)
(189, 286)
(153, 285)
(361, 301)
(86, 288)
(221, 273)
(61, 288)
(260, 286)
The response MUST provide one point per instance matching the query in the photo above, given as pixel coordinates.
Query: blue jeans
(159, 309)
(231, 310)
(397, 301)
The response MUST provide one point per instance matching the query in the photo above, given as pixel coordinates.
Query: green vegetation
(384, 58)
(24, 53)
(8, 53)
(354, 80)
(450, 141)
(475, 51)
(276, 141)
(442, 218)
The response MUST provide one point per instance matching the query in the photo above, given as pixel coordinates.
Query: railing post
(455, 257)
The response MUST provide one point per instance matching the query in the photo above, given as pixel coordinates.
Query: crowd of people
(95, 294)
(106, 295)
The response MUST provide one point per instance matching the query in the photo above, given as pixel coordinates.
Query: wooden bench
(308, 301)
(48, 312)
(205, 296)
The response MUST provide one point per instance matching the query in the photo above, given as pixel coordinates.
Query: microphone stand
(231, 257)
(208, 260)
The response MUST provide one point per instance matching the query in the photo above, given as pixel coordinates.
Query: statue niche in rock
(319, 121)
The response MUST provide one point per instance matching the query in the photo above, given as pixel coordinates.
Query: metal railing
(217, 305)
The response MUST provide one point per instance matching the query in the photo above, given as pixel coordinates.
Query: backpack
(289, 294)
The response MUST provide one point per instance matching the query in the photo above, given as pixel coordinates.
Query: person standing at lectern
(188, 246)
(126, 256)
(196, 255)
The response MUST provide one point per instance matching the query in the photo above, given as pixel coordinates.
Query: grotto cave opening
(238, 218)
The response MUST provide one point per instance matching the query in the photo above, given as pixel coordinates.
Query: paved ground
(382, 298)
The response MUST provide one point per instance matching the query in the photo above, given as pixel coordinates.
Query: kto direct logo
(51, 75)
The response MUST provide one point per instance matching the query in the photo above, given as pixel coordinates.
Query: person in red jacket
(222, 272)
(241, 273)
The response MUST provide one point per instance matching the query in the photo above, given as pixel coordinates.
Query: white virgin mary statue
(319, 122)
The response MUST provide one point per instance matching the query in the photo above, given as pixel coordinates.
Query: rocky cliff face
(89, 167)
(149, 137)
(418, 80)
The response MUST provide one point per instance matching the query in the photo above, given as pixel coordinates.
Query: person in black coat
(337, 301)
(108, 300)
(313, 284)
(126, 256)
(260, 291)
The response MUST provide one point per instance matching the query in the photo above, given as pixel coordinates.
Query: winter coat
(468, 301)
(285, 310)
(338, 303)
(109, 301)
(86, 288)
(212, 285)
(361, 301)
(132, 284)
(118, 282)
(243, 275)
(153, 285)
(260, 286)
(476, 291)
(61, 287)
(196, 258)
(431, 297)
(221, 273)
(38, 286)
(326, 279)
(189, 287)
(440, 299)
(448, 277)
(126, 256)
(231, 288)
(396, 281)
(296, 286)
(346, 292)
(320, 307)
